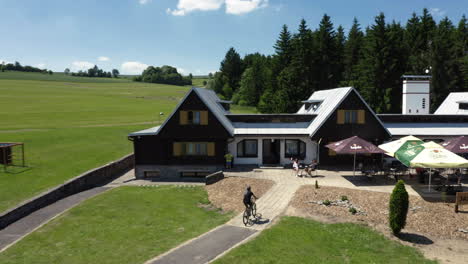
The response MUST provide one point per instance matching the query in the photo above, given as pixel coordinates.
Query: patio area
(379, 182)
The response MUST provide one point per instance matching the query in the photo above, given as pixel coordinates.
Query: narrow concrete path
(206, 247)
(14, 232)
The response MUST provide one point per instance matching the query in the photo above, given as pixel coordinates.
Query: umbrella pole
(430, 176)
(354, 167)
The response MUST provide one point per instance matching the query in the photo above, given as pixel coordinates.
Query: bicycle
(250, 214)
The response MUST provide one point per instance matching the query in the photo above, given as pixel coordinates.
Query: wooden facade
(161, 149)
(367, 126)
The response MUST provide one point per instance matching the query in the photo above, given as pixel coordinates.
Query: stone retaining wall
(214, 178)
(90, 179)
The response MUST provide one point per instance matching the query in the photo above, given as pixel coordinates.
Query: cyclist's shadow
(260, 221)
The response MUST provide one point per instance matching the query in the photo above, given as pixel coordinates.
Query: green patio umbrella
(391, 147)
(429, 155)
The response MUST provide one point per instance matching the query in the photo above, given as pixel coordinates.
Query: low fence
(214, 178)
(90, 179)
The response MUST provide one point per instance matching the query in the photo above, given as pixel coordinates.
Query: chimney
(416, 94)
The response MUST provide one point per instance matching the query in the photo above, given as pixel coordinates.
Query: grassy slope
(71, 127)
(124, 225)
(298, 240)
(72, 124)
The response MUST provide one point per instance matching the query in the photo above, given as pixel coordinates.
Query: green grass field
(72, 124)
(124, 225)
(299, 240)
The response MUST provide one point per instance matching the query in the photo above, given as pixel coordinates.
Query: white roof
(298, 128)
(450, 105)
(428, 129)
(149, 131)
(331, 99)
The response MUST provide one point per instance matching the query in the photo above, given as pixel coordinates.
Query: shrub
(344, 198)
(352, 210)
(327, 202)
(316, 184)
(398, 207)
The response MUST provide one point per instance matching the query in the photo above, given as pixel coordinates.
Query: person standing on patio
(228, 157)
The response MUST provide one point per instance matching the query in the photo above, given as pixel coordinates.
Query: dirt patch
(429, 218)
(227, 193)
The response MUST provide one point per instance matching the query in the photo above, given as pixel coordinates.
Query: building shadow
(363, 180)
(415, 238)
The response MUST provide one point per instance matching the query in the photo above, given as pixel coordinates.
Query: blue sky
(192, 35)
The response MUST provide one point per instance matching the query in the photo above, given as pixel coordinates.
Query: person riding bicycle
(248, 198)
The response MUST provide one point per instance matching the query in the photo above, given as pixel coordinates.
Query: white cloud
(437, 12)
(133, 67)
(41, 65)
(81, 65)
(239, 7)
(182, 71)
(4, 61)
(144, 2)
(103, 58)
(186, 6)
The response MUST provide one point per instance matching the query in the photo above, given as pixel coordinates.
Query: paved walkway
(206, 247)
(14, 232)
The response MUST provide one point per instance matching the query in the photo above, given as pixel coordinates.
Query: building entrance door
(271, 151)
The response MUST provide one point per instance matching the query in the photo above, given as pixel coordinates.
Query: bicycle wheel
(254, 209)
(245, 218)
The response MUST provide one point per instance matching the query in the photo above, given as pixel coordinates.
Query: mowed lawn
(70, 127)
(123, 225)
(299, 240)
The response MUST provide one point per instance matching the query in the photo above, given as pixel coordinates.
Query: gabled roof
(209, 98)
(331, 99)
(450, 105)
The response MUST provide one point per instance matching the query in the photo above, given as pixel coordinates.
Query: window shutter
(204, 117)
(340, 117)
(183, 117)
(177, 149)
(211, 149)
(361, 117)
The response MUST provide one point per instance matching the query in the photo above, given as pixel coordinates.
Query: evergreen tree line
(371, 60)
(165, 75)
(18, 67)
(94, 72)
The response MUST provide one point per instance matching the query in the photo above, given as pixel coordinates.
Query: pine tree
(283, 50)
(373, 66)
(444, 62)
(326, 54)
(338, 62)
(352, 54)
(461, 52)
(231, 68)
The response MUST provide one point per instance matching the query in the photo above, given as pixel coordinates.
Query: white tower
(416, 95)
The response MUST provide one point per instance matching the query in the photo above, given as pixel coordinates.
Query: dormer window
(463, 106)
(312, 105)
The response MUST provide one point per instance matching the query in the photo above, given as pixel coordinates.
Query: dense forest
(371, 60)
(18, 67)
(165, 75)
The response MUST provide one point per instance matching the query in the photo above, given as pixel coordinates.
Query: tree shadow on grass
(415, 239)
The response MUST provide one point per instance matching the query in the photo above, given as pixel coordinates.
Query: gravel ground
(228, 193)
(431, 218)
